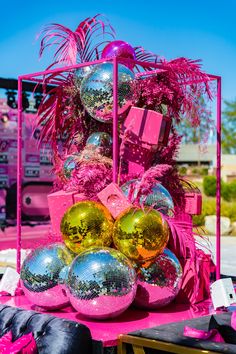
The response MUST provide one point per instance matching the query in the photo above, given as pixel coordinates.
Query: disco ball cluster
(99, 281)
(105, 265)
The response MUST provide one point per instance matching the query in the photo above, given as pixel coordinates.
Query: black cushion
(173, 333)
(53, 335)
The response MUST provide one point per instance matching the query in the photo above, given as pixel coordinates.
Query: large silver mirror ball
(97, 91)
(43, 275)
(81, 73)
(159, 283)
(101, 141)
(101, 283)
(159, 198)
(70, 165)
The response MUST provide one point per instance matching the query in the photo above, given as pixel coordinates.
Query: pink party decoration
(120, 49)
(114, 200)
(213, 335)
(178, 84)
(193, 203)
(137, 159)
(58, 203)
(149, 128)
(5, 340)
(196, 280)
(23, 345)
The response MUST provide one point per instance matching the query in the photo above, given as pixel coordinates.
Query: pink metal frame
(156, 69)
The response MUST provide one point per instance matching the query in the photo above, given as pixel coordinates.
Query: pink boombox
(34, 201)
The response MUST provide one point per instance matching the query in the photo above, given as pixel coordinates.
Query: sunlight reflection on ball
(120, 49)
(43, 275)
(158, 283)
(101, 283)
(102, 141)
(97, 91)
(159, 198)
(140, 234)
(86, 224)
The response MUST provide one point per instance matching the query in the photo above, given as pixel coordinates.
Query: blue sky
(194, 29)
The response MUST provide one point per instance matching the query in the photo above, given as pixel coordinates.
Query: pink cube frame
(156, 68)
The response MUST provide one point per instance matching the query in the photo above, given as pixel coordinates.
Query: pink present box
(193, 203)
(136, 159)
(114, 200)
(58, 203)
(148, 128)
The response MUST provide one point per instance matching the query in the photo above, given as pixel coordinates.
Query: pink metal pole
(159, 66)
(218, 175)
(64, 68)
(151, 72)
(19, 176)
(115, 121)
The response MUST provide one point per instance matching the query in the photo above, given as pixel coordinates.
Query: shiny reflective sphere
(102, 141)
(43, 275)
(97, 91)
(140, 234)
(159, 283)
(81, 73)
(86, 224)
(119, 49)
(69, 165)
(159, 198)
(101, 283)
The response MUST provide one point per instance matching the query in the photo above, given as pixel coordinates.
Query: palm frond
(144, 55)
(60, 111)
(188, 73)
(77, 46)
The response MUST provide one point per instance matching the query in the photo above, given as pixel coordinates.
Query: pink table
(108, 331)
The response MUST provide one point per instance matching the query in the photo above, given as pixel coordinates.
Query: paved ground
(228, 253)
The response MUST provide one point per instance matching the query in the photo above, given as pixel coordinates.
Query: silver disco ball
(101, 283)
(158, 283)
(159, 198)
(69, 165)
(81, 73)
(97, 91)
(102, 141)
(43, 275)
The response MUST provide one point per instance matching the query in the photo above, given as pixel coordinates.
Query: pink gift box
(114, 200)
(58, 204)
(137, 159)
(193, 203)
(148, 128)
